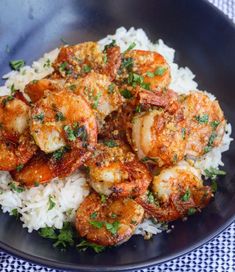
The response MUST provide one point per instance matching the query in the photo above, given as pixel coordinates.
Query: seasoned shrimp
(114, 170)
(36, 171)
(146, 68)
(177, 191)
(78, 60)
(159, 136)
(16, 144)
(100, 93)
(205, 122)
(36, 88)
(55, 118)
(63, 122)
(108, 222)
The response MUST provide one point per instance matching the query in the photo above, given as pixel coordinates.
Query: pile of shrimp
(112, 115)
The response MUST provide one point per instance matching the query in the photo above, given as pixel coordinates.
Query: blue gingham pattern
(217, 255)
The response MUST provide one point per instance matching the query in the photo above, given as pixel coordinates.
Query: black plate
(204, 40)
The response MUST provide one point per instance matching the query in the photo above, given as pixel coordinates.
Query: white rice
(32, 204)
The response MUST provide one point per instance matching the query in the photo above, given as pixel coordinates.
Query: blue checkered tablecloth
(217, 255)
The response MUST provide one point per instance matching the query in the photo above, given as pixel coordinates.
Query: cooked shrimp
(36, 88)
(177, 191)
(14, 116)
(205, 122)
(16, 144)
(57, 117)
(159, 136)
(147, 69)
(108, 222)
(78, 60)
(114, 170)
(36, 171)
(100, 93)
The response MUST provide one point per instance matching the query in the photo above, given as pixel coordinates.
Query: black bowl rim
(140, 265)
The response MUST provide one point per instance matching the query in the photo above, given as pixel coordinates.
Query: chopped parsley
(72, 87)
(138, 108)
(58, 154)
(59, 116)
(69, 133)
(39, 117)
(84, 245)
(149, 74)
(47, 63)
(64, 67)
(213, 173)
(127, 63)
(97, 224)
(191, 211)
(186, 196)
(16, 188)
(113, 215)
(112, 227)
(183, 133)
(111, 88)
(105, 58)
(210, 142)
(36, 183)
(135, 79)
(93, 215)
(63, 237)
(17, 64)
(7, 99)
(96, 100)
(15, 213)
(86, 68)
(214, 124)
(160, 71)
(126, 94)
(203, 119)
(110, 143)
(150, 197)
(112, 44)
(19, 167)
(103, 198)
(51, 203)
(130, 47)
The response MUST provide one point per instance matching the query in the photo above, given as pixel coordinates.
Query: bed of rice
(32, 204)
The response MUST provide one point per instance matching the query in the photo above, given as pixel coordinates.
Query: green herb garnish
(7, 99)
(84, 245)
(150, 197)
(112, 44)
(97, 224)
(19, 167)
(126, 94)
(103, 198)
(16, 188)
(86, 68)
(59, 116)
(160, 71)
(213, 173)
(191, 211)
(51, 203)
(58, 154)
(39, 117)
(214, 124)
(111, 88)
(112, 227)
(69, 133)
(93, 215)
(110, 143)
(17, 64)
(15, 213)
(203, 119)
(130, 47)
(186, 196)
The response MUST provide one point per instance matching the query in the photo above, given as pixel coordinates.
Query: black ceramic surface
(204, 40)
